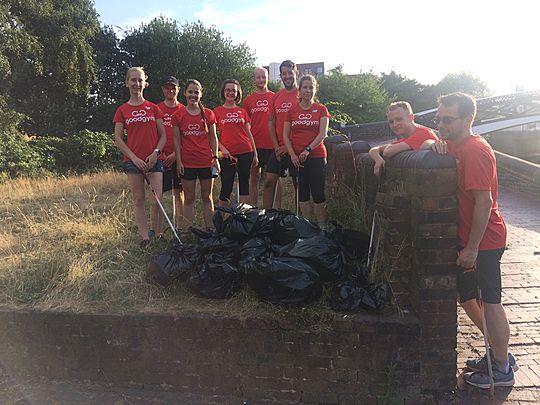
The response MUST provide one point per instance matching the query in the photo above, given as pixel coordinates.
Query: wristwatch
(308, 148)
(157, 151)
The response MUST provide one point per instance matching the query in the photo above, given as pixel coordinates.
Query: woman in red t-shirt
(196, 148)
(143, 122)
(236, 143)
(304, 130)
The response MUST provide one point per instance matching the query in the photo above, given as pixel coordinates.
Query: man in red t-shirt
(171, 181)
(257, 106)
(481, 234)
(280, 104)
(412, 136)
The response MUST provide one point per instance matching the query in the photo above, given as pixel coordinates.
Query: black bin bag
(215, 277)
(348, 296)
(325, 255)
(173, 265)
(238, 222)
(289, 227)
(284, 280)
(355, 243)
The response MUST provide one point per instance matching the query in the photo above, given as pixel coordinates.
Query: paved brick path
(521, 298)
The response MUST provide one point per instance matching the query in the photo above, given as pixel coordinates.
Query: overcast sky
(421, 39)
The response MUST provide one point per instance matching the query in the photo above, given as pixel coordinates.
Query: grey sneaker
(480, 363)
(481, 380)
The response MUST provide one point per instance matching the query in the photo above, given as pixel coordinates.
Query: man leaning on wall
(412, 135)
(481, 234)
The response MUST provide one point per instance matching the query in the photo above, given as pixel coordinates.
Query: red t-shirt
(477, 170)
(305, 126)
(140, 124)
(418, 137)
(258, 108)
(232, 134)
(167, 115)
(195, 151)
(280, 104)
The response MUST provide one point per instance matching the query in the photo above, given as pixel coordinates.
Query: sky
(424, 40)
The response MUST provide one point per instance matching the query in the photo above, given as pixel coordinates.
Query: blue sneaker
(481, 380)
(480, 363)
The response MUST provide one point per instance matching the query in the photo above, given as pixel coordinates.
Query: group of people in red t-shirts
(173, 146)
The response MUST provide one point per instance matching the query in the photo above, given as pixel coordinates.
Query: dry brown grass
(71, 244)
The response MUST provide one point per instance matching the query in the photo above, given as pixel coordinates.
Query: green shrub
(83, 152)
(17, 157)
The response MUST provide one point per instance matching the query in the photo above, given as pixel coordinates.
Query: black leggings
(311, 179)
(228, 171)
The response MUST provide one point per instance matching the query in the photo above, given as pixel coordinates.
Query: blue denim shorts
(129, 167)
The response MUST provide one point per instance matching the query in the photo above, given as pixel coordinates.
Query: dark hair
(288, 64)
(465, 102)
(238, 93)
(201, 106)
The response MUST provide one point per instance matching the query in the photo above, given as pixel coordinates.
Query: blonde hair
(136, 69)
(313, 82)
(400, 104)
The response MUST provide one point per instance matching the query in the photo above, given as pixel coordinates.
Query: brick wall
(255, 360)
(281, 361)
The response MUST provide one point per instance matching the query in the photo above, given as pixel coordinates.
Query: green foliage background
(63, 74)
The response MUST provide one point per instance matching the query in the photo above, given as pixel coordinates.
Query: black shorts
(263, 155)
(171, 179)
(203, 173)
(486, 275)
(281, 167)
(311, 180)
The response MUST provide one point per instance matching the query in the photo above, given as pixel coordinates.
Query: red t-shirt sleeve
(210, 116)
(479, 173)
(272, 112)
(247, 119)
(416, 140)
(176, 117)
(118, 116)
(324, 112)
(157, 112)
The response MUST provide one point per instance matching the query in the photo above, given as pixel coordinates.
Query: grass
(71, 244)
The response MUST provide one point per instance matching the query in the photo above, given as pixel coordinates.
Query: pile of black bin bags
(284, 258)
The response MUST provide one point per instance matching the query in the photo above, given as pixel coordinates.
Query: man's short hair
(400, 104)
(288, 64)
(465, 102)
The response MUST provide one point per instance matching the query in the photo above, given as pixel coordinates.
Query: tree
(189, 51)
(399, 87)
(464, 82)
(108, 89)
(359, 97)
(47, 60)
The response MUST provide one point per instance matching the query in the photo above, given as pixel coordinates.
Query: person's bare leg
(320, 213)
(178, 206)
(189, 203)
(498, 331)
(269, 191)
(474, 312)
(156, 216)
(207, 203)
(136, 184)
(306, 209)
(254, 178)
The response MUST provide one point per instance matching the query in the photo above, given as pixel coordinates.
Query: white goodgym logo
(194, 130)
(262, 106)
(305, 119)
(284, 108)
(139, 116)
(167, 120)
(232, 117)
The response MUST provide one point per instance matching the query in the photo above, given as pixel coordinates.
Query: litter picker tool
(162, 208)
(381, 176)
(486, 343)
